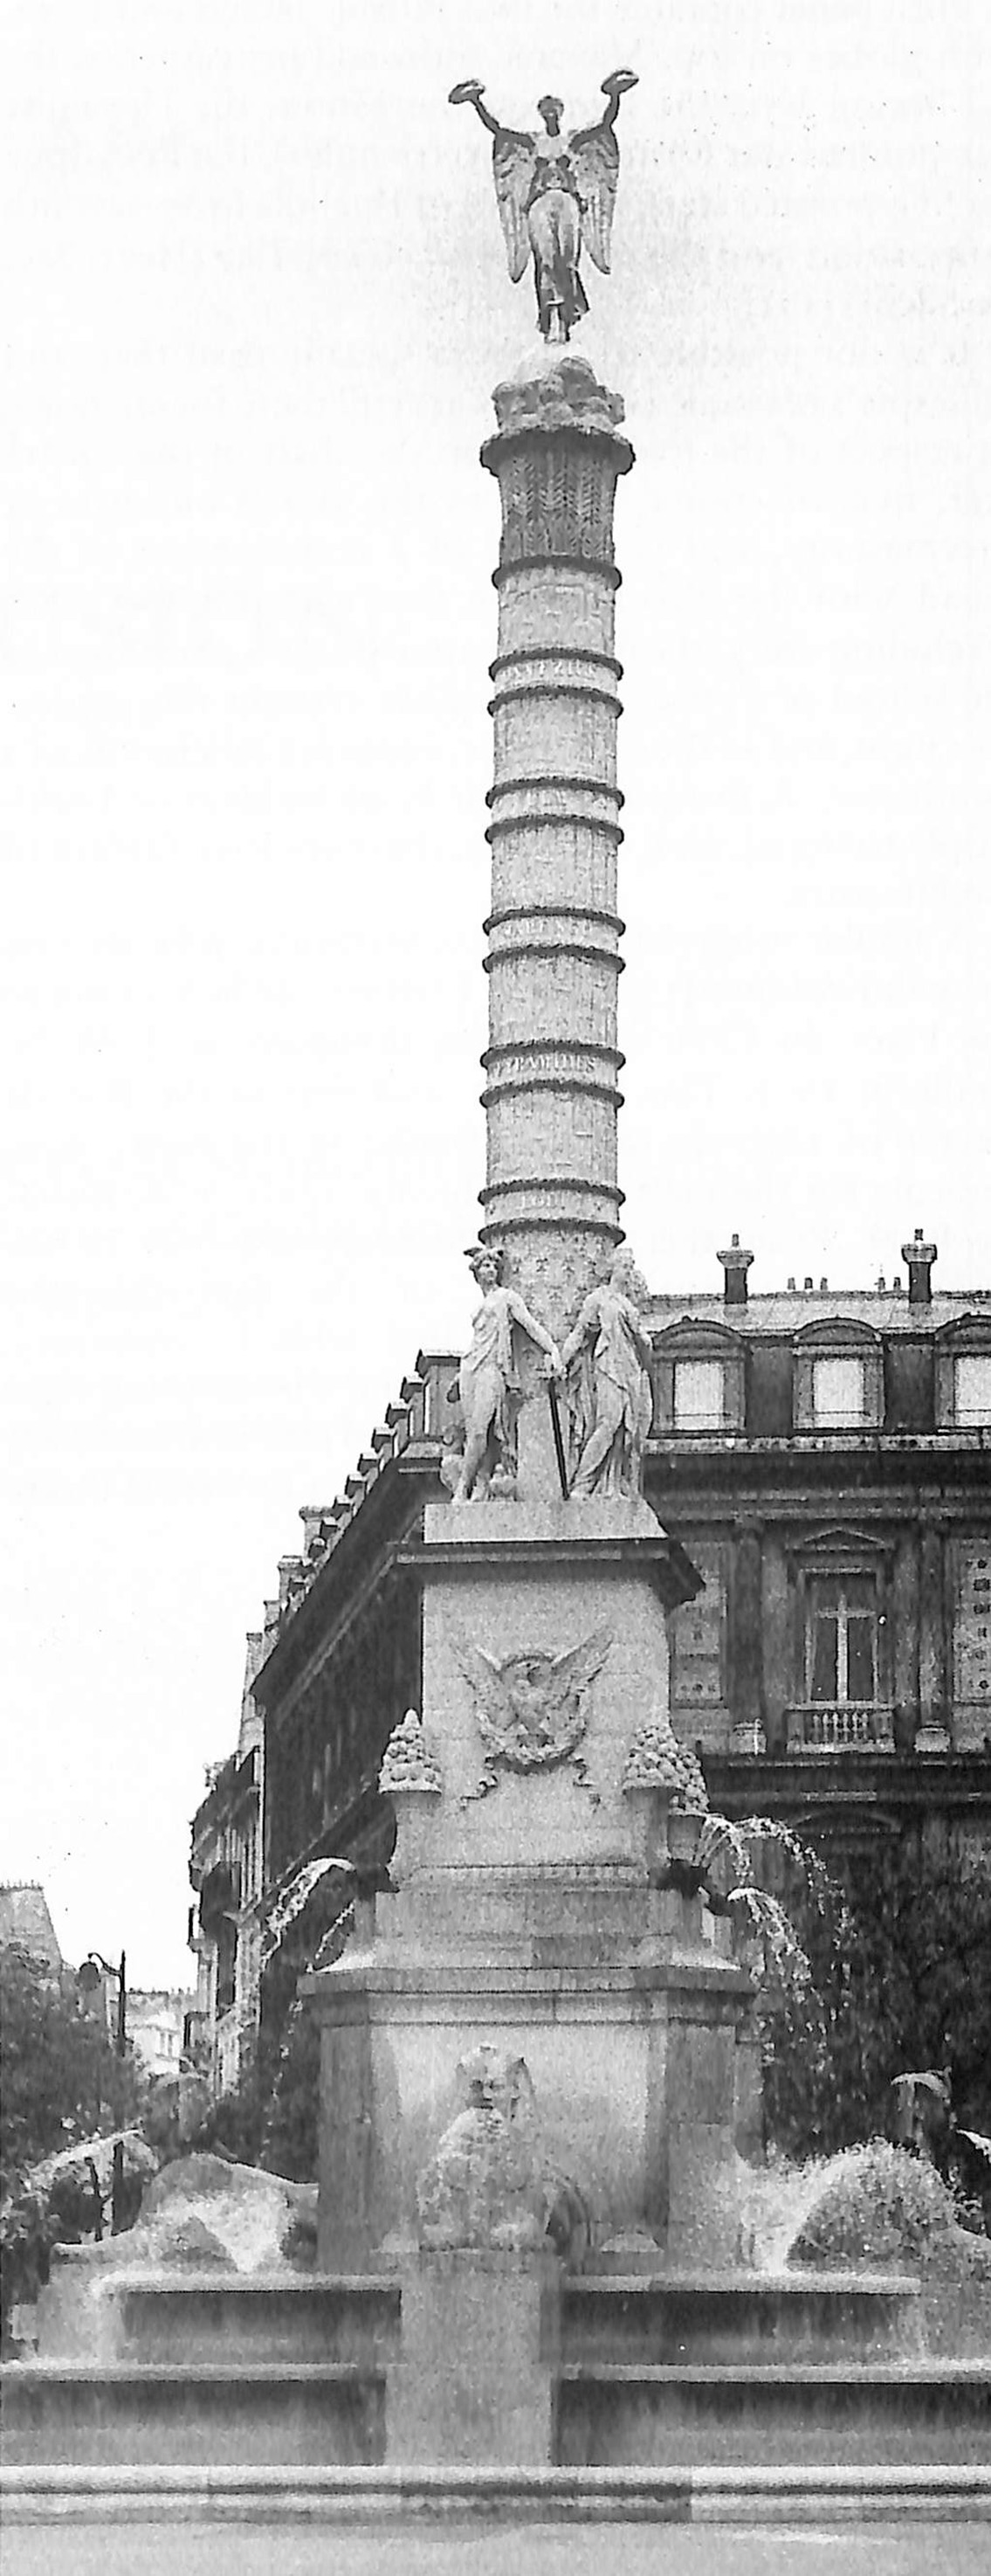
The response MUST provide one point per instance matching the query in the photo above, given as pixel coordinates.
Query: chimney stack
(920, 1257)
(735, 1266)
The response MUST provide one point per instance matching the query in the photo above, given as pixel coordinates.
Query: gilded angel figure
(555, 194)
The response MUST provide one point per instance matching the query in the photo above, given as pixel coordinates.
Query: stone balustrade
(841, 1726)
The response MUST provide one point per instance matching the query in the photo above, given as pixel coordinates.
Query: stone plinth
(532, 1906)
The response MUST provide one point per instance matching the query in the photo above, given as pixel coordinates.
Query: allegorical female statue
(607, 1355)
(489, 1381)
(555, 195)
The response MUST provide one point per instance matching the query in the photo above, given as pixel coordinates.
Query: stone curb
(781, 2494)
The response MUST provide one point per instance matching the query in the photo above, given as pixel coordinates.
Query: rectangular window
(699, 1395)
(842, 1640)
(972, 1389)
(838, 1391)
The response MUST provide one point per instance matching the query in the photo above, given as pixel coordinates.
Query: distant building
(26, 1922)
(824, 1456)
(225, 1924)
(156, 2027)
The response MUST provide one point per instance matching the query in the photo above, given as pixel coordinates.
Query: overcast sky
(255, 300)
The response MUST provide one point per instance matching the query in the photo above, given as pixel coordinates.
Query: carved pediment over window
(691, 1334)
(837, 1544)
(963, 1373)
(849, 1828)
(698, 1377)
(839, 1378)
(837, 1333)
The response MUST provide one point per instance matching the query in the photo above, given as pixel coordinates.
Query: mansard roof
(783, 1313)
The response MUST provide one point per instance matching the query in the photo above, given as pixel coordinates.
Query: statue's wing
(595, 161)
(573, 1670)
(514, 161)
(484, 1679)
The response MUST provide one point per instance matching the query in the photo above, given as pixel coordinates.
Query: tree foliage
(60, 2077)
(899, 1950)
(272, 2117)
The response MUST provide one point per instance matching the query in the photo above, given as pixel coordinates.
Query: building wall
(840, 1654)
(893, 1511)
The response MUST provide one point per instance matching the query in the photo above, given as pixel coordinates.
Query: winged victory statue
(555, 193)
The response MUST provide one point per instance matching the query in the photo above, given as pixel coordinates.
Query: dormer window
(972, 1387)
(838, 1383)
(838, 1391)
(698, 1379)
(699, 1395)
(963, 1374)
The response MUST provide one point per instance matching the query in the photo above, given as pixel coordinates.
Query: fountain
(538, 2057)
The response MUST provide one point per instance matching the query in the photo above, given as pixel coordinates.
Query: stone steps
(728, 2317)
(623, 2414)
(189, 2413)
(355, 2496)
(203, 2316)
(635, 2370)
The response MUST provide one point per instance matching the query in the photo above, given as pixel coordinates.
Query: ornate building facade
(825, 1458)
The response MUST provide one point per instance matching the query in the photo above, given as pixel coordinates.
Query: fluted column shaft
(552, 1097)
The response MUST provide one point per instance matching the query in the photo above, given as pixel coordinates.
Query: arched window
(838, 1383)
(963, 1375)
(698, 1379)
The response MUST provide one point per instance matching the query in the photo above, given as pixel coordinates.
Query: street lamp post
(97, 1965)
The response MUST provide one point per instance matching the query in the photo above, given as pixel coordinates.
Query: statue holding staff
(488, 1378)
(555, 195)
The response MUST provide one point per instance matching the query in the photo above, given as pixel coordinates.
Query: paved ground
(593, 2549)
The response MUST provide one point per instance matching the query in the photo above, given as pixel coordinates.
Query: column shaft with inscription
(551, 1194)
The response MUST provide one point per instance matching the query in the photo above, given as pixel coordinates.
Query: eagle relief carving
(530, 1707)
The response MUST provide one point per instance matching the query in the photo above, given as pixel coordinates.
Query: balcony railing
(841, 1726)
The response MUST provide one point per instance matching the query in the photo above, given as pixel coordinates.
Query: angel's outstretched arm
(469, 94)
(614, 86)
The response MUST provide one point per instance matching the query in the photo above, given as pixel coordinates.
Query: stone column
(932, 1734)
(552, 1062)
(747, 1642)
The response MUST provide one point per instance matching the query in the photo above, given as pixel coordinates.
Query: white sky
(254, 303)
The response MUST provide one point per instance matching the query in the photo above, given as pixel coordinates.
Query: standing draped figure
(488, 1378)
(607, 1356)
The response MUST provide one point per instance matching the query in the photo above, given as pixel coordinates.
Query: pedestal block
(498, 2313)
(530, 1909)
